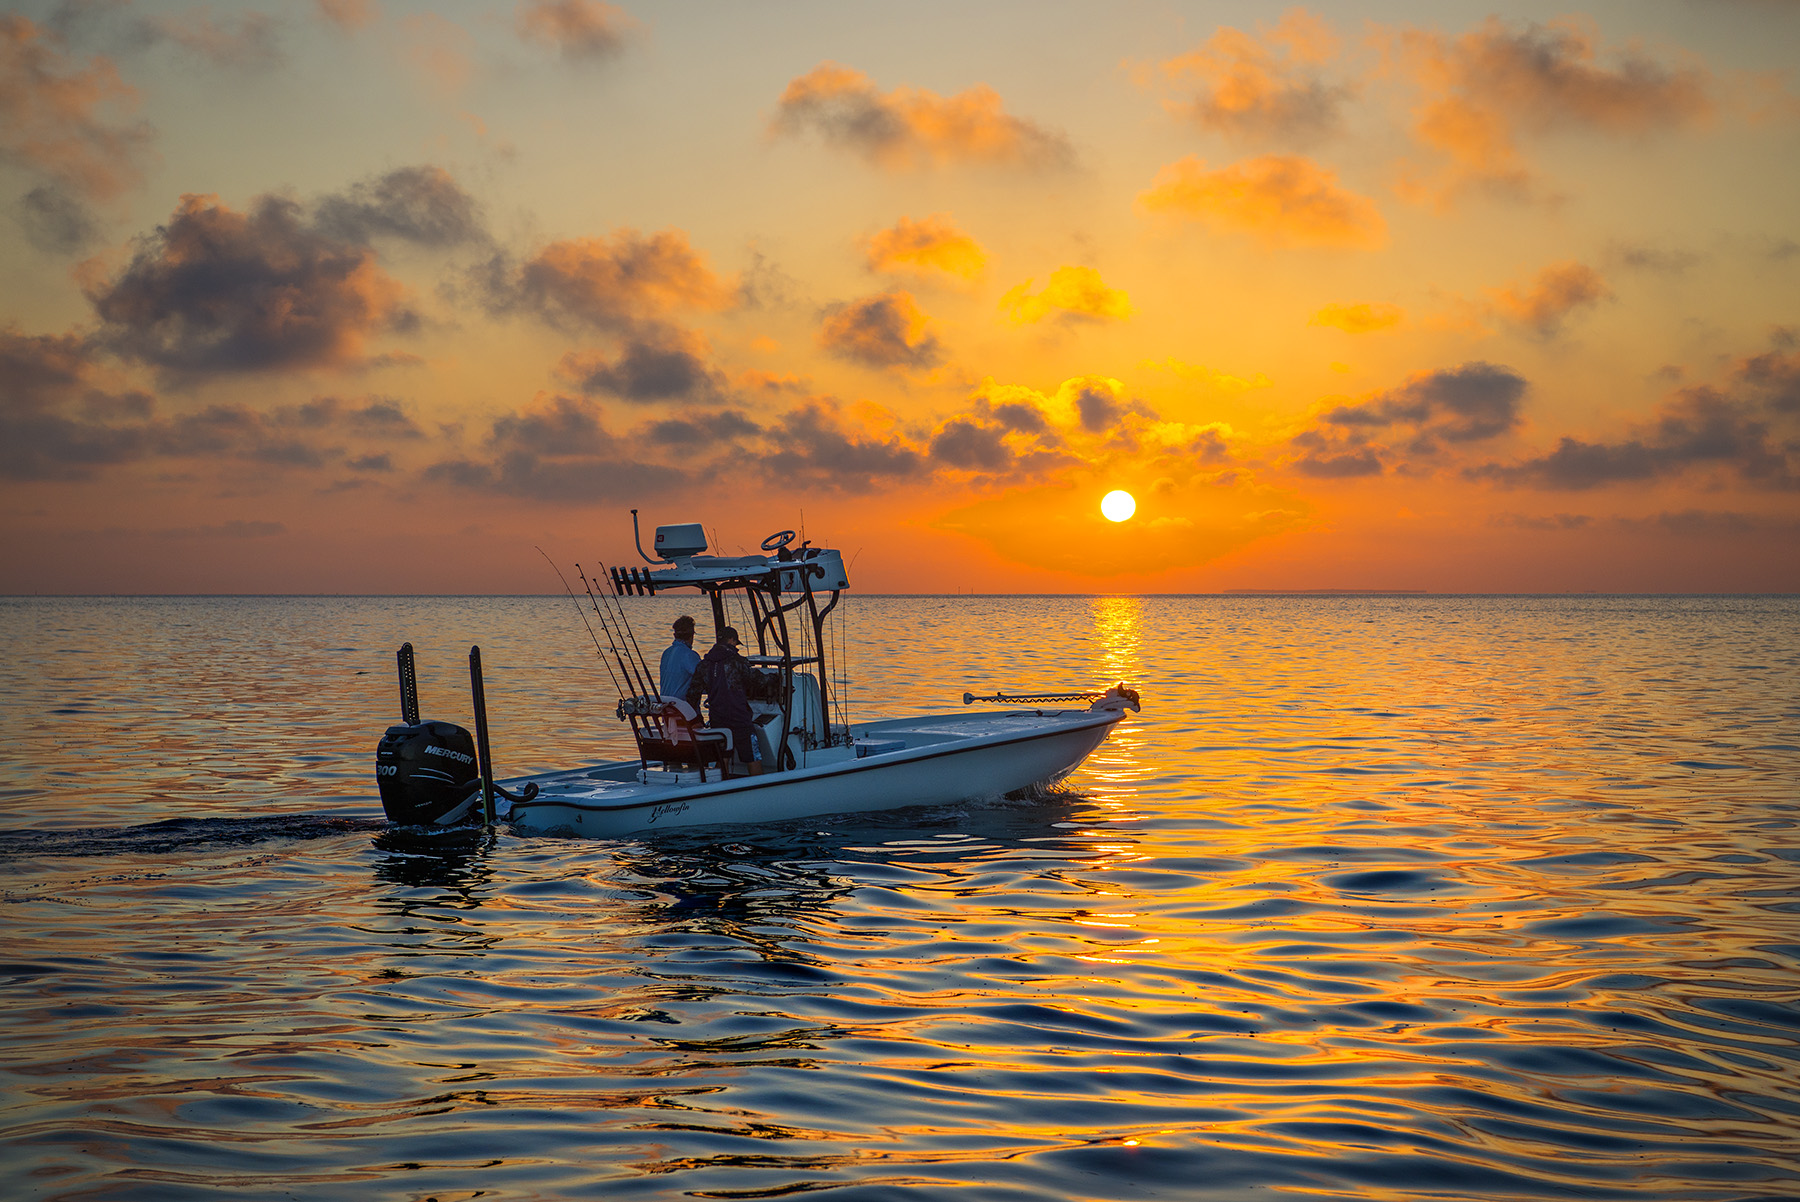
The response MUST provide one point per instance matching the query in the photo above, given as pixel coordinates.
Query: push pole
(479, 693)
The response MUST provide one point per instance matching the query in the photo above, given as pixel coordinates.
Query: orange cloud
(1071, 293)
(889, 330)
(1250, 88)
(1480, 92)
(1284, 200)
(62, 118)
(931, 246)
(348, 15)
(1361, 318)
(440, 50)
(910, 127)
(578, 29)
(1558, 291)
(612, 283)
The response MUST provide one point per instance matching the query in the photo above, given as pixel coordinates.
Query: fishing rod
(626, 666)
(598, 654)
(631, 634)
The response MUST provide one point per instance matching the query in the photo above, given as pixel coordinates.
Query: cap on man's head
(728, 635)
(684, 625)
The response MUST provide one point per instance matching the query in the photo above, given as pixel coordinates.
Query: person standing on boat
(680, 660)
(724, 677)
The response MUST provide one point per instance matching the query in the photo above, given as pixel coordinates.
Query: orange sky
(359, 296)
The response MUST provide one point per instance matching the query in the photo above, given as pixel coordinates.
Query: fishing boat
(807, 758)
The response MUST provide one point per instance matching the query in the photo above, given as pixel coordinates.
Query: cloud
(579, 30)
(1252, 88)
(1360, 318)
(421, 204)
(664, 365)
(65, 120)
(1411, 422)
(1749, 431)
(348, 15)
(556, 449)
(701, 431)
(1479, 93)
(57, 221)
(1283, 200)
(962, 443)
(247, 42)
(1532, 521)
(1461, 404)
(608, 283)
(884, 331)
(1071, 293)
(1543, 305)
(933, 246)
(61, 420)
(440, 50)
(911, 127)
(815, 446)
(214, 290)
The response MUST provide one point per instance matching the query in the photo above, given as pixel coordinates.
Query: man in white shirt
(680, 660)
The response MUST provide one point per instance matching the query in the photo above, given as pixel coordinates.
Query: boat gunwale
(737, 786)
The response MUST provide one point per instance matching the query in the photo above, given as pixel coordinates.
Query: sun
(1118, 505)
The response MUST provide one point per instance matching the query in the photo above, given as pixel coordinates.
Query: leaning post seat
(668, 730)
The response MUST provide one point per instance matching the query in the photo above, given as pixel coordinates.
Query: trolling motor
(436, 773)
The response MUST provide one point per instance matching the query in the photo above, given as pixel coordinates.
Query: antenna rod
(638, 539)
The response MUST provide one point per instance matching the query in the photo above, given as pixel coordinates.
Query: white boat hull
(946, 758)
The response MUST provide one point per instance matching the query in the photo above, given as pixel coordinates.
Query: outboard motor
(428, 774)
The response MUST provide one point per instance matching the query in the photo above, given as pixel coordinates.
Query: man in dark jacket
(724, 677)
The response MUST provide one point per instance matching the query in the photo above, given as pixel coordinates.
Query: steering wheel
(778, 540)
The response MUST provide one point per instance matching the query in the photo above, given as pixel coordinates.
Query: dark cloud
(1707, 523)
(58, 421)
(246, 41)
(217, 291)
(1699, 427)
(813, 447)
(667, 365)
(1462, 404)
(703, 431)
(421, 204)
(579, 30)
(1656, 260)
(57, 221)
(1324, 464)
(614, 283)
(557, 450)
(1097, 409)
(1016, 415)
(1535, 521)
(911, 127)
(1774, 377)
(884, 331)
(962, 443)
(371, 463)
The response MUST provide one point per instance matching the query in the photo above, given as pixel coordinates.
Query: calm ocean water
(1380, 897)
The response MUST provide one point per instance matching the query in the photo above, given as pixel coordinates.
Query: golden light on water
(1118, 505)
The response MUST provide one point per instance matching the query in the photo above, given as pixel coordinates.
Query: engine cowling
(428, 775)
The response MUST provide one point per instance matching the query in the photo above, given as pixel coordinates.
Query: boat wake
(177, 835)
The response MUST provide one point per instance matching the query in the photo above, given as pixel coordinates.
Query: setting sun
(1118, 505)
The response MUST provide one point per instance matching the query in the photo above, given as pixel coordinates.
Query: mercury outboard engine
(428, 774)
